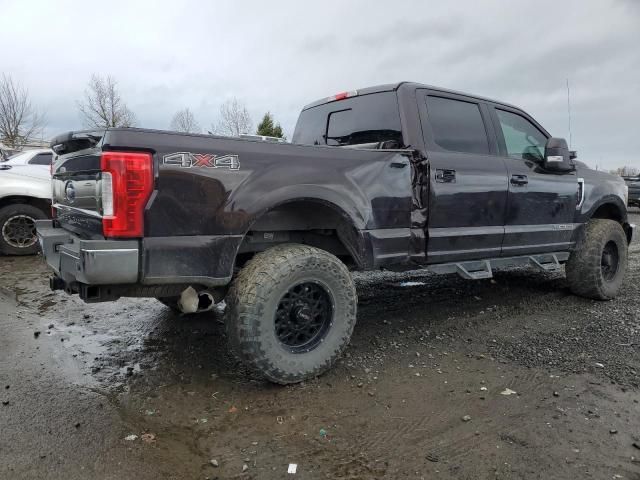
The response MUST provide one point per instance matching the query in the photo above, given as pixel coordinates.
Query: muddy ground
(428, 353)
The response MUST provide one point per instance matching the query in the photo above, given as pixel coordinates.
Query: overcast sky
(279, 56)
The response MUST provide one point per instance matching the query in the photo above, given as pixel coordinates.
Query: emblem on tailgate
(208, 160)
(69, 192)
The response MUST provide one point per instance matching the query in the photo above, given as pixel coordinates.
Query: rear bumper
(90, 262)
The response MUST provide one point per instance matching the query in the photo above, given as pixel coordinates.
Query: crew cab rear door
(468, 180)
(541, 204)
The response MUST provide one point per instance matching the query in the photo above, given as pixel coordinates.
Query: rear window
(41, 159)
(352, 121)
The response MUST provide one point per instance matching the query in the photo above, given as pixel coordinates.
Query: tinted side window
(521, 137)
(41, 159)
(362, 119)
(457, 125)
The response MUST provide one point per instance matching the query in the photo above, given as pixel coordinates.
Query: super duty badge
(207, 160)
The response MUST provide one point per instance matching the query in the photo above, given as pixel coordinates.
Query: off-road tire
(11, 212)
(255, 295)
(584, 268)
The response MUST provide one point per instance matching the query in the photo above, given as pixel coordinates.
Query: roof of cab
(410, 85)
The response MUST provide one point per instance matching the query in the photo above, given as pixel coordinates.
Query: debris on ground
(466, 418)
(323, 432)
(214, 462)
(131, 438)
(508, 391)
(148, 437)
(293, 467)
(245, 467)
(233, 409)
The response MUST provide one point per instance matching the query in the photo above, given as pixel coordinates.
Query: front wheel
(18, 229)
(290, 312)
(597, 266)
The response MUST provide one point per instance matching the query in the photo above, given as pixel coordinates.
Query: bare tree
(103, 106)
(626, 171)
(184, 121)
(234, 119)
(19, 121)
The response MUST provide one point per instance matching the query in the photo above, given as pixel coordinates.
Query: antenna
(569, 112)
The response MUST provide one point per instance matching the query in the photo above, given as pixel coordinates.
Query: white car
(25, 196)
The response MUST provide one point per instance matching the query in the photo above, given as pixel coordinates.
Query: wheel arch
(312, 220)
(43, 204)
(612, 208)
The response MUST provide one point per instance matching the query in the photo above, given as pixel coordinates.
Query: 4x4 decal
(208, 160)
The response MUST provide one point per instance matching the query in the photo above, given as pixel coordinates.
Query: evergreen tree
(268, 127)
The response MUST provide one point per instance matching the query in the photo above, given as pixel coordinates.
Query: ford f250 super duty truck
(401, 177)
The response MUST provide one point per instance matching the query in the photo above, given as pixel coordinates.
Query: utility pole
(569, 112)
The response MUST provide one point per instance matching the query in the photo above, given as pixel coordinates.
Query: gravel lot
(445, 378)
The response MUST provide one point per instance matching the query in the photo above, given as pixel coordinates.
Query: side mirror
(557, 157)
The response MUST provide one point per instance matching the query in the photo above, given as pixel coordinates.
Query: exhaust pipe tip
(192, 301)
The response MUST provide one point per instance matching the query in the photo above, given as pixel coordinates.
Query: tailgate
(76, 183)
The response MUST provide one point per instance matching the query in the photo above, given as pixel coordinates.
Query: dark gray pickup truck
(402, 177)
(633, 184)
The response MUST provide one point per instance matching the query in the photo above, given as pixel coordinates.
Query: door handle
(519, 180)
(444, 175)
(397, 165)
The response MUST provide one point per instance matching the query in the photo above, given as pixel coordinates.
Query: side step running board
(468, 271)
(544, 265)
(480, 269)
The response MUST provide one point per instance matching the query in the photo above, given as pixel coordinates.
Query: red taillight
(126, 186)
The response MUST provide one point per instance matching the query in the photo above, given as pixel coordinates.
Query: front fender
(18, 185)
(611, 199)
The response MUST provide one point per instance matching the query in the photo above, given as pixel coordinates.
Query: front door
(468, 179)
(541, 205)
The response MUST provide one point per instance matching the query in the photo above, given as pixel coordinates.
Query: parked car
(25, 196)
(633, 183)
(401, 177)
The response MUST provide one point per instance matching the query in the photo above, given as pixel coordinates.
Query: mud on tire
(597, 266)
(290, 312)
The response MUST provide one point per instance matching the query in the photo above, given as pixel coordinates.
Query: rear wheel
(18, 229)
(290, 312)
(597, 266)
